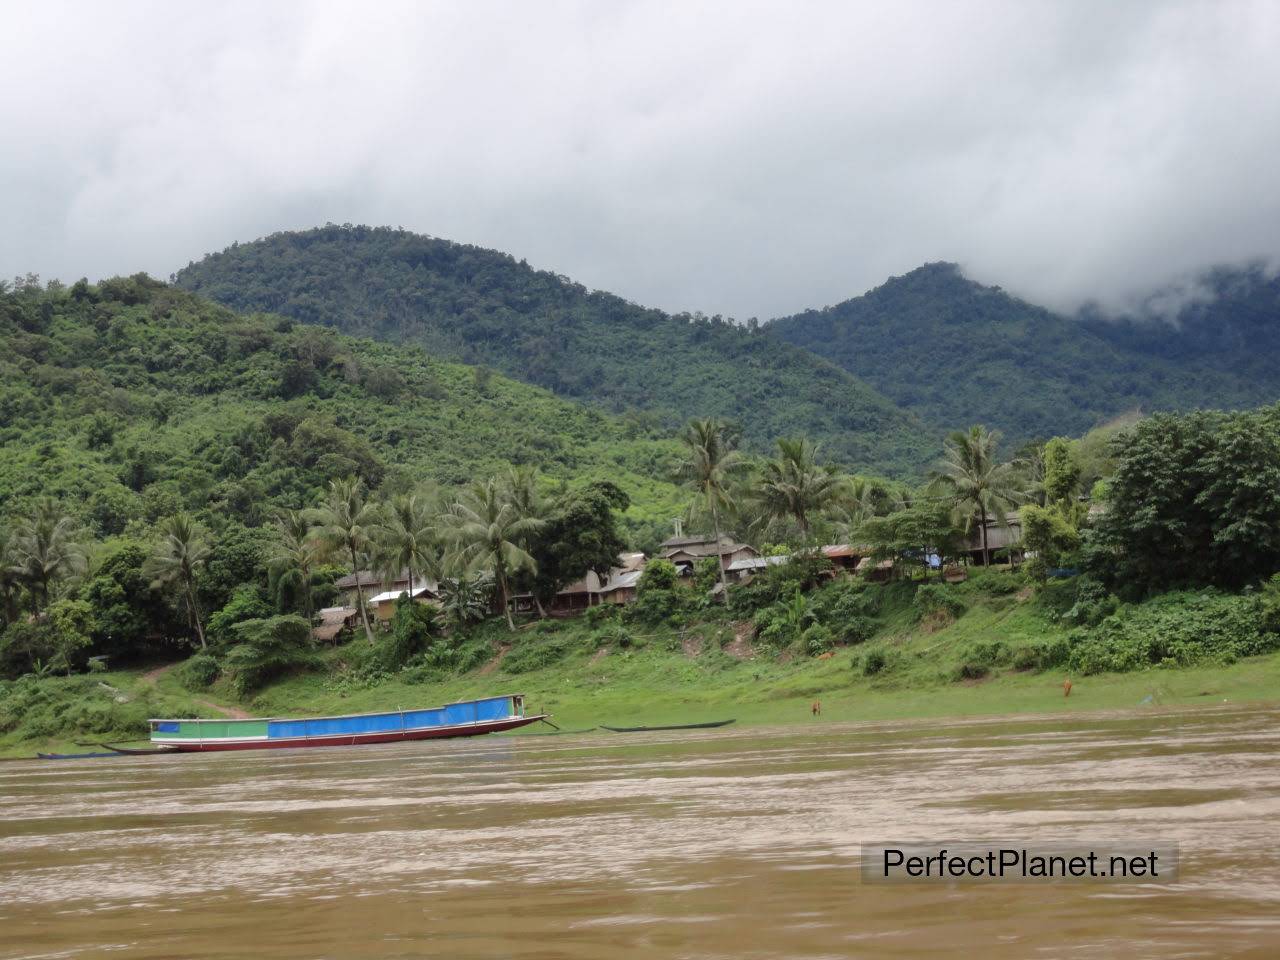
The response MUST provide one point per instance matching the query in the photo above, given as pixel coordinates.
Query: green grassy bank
(981, 660)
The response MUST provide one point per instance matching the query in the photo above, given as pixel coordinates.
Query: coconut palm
(294, 555)
(10, 577)
(407, 539)
(486, 530)
(522, 487)
(45, 548)
(710, 467)
(793, 486)
(976, 485)
(345, 524)
(176, 562)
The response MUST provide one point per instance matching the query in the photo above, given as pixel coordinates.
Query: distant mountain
(484, 307)
(956, 352)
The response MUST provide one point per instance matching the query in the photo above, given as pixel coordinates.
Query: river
(734, 843)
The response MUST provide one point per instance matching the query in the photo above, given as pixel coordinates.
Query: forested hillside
(956, 352)
(132, 399)
(484, 307)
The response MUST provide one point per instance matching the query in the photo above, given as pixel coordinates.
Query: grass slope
(670, 676)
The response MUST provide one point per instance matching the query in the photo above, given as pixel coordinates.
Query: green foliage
(1195, 500)
(465, 600)
(486, 308)
(266, 649)
(199, 671)
(874, 663)
(246, 603)
(1176, 629)
(659, 574)
(536, 655)
(817, 639)
(655, 605)
(1048, 534)
(932, 599)
(954, 351)
(1061, 472)
(580, 534)
(413, 627)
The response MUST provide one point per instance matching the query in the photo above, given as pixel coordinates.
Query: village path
(231, 713)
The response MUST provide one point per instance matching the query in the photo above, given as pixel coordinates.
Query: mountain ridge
(484, 307)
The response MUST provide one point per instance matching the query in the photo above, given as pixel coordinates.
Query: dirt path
(231, 713)
(740, 646)
(492, 665)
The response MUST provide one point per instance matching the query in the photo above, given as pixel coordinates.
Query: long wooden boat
(76, 756)
(677, 726)
(468, 718)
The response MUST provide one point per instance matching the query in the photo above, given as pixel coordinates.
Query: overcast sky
(738, 158)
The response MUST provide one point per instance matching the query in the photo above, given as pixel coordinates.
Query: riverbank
(995, 647)
(655, 687)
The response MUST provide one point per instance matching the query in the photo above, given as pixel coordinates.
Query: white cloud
(742, 158)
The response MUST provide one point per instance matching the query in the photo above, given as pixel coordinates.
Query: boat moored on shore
(467, 718)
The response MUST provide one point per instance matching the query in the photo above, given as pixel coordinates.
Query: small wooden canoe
(676, 726)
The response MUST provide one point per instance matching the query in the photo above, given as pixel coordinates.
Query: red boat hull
(356, 739)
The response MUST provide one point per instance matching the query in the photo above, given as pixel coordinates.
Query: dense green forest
(956, 352)
(484, 307)
(132, 399)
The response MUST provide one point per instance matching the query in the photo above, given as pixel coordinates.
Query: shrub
(246, 603)
(1176, 629)
(602, 613)
(199, 672)
(856, 630)
(536, 656)
(413, 626)
(935, 598)
(874, 663)
(613, 635)
(972, 670)
(655, 606)
(267, 648)
(817, 639)
(659, 574)
(1091, 603)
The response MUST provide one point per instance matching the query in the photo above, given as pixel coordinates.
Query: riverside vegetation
(184, 485)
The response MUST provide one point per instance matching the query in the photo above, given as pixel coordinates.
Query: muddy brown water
(736, 843)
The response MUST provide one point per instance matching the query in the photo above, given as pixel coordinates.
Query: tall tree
(976, 485)
(793, 486)
(10, 577)
(710, 467)
(486, 530)
(407, 539)
(45, 548)
(177, 560)
(522, 487)
(346, 522)
(294, 556)
(581, 535)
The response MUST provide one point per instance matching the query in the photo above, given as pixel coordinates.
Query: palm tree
(295, 555)
(178, 558)
(45, 548)
(522, 487)
(487, 529)
(345, 524)
(976, 485)
(10, 578)
(407, 539)
(710, 467)
(794, 486)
